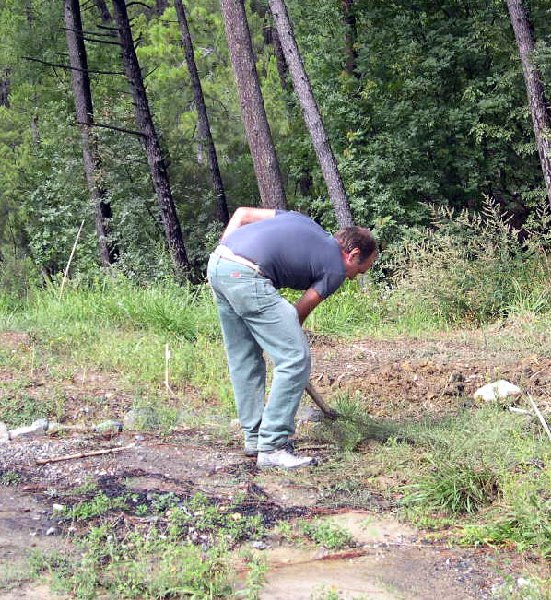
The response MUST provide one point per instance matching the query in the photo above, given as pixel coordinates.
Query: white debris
(497, 390)
(36, 428)
(4, 434)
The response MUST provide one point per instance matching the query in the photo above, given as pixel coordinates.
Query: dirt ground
(400, 378)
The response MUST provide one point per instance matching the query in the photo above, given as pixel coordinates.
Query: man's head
(358, 248)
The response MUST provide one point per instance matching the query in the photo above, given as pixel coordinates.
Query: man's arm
(306, 304)
(245, 215)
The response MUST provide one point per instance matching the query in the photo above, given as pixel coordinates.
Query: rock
(4, 433)
(58, 507)
(259, 545)
(35, 428)
(109, 427)
(142, 418)
(498, 390)
(306, 414)
(53, 531)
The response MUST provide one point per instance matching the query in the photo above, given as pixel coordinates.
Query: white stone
(497, 390)
(4, 434)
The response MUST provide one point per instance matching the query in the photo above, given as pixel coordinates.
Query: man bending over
(261, 251)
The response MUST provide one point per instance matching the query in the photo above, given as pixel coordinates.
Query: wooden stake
(66, 272)
(45, 461)
(540, 417)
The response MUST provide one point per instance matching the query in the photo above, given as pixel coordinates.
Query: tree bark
(281, 63)
(534, 87)
(5, 88)
(155, 159)
(161, 6)
(103, 10)
(257, 129)
(85, 119)
(205, 134)
(350, 37)
(312, 115)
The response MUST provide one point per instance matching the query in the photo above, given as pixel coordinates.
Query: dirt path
(389, 560)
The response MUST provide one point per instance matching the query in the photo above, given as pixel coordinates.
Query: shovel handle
(328, 413)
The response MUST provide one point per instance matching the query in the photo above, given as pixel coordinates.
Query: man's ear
(354, 254)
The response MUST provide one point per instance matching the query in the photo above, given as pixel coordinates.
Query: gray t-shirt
(291, 250)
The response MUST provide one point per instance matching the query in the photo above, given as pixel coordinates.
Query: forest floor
(399, 380)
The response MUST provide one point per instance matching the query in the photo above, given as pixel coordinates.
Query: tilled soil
(400, 378)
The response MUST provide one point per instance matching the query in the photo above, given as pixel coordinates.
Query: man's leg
(277, 329)
(245, 359)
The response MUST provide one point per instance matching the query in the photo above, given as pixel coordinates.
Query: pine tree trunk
(85, 119)
(312, 114)
(281, 63)
(162, 5)
(103, 10)
(204, 125)
(5, 88)
(257, 129)
(350, 36)
(155, 159)
(534, 87)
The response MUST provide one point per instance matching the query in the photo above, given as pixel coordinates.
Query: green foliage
(10, 478)
(455, 487)
(99, 505)
(143, 566)
(353, 426)
(328, 534)
(473, 268)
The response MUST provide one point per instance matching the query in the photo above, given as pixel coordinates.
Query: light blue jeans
(256, 319)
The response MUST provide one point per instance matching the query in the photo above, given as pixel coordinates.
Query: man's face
(352, 265)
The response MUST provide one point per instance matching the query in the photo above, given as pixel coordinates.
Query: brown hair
(357, 237)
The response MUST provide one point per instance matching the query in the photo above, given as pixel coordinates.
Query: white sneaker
(283, 458)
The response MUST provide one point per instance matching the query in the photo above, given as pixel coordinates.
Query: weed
(18, 407)
(10, 478)
(256, 576)
(354, 426)
(161, 503)
(454, 487)
(327, 534)
(97, 506)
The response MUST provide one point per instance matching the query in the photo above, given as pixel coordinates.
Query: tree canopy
(424, 104)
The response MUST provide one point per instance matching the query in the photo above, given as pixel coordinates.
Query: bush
(474, 268)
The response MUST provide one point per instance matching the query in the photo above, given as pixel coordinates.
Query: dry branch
(45, 461)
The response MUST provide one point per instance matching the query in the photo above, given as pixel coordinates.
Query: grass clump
(454, 487)
(327, 534)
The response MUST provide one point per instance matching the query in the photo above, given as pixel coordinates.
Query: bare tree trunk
(257, 129)
(85, 119)
(5, 88)
(205, 134)
(155, 159)
(103, 10)
(161, 6)
(281, 63)
(534, 87)
(350, 36)
(312, 114)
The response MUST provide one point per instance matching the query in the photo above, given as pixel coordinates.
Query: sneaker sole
(311, 464)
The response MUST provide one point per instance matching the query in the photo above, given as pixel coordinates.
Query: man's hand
(245, 215)
(306, 304)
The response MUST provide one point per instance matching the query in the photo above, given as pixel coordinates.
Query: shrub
(473, 267)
